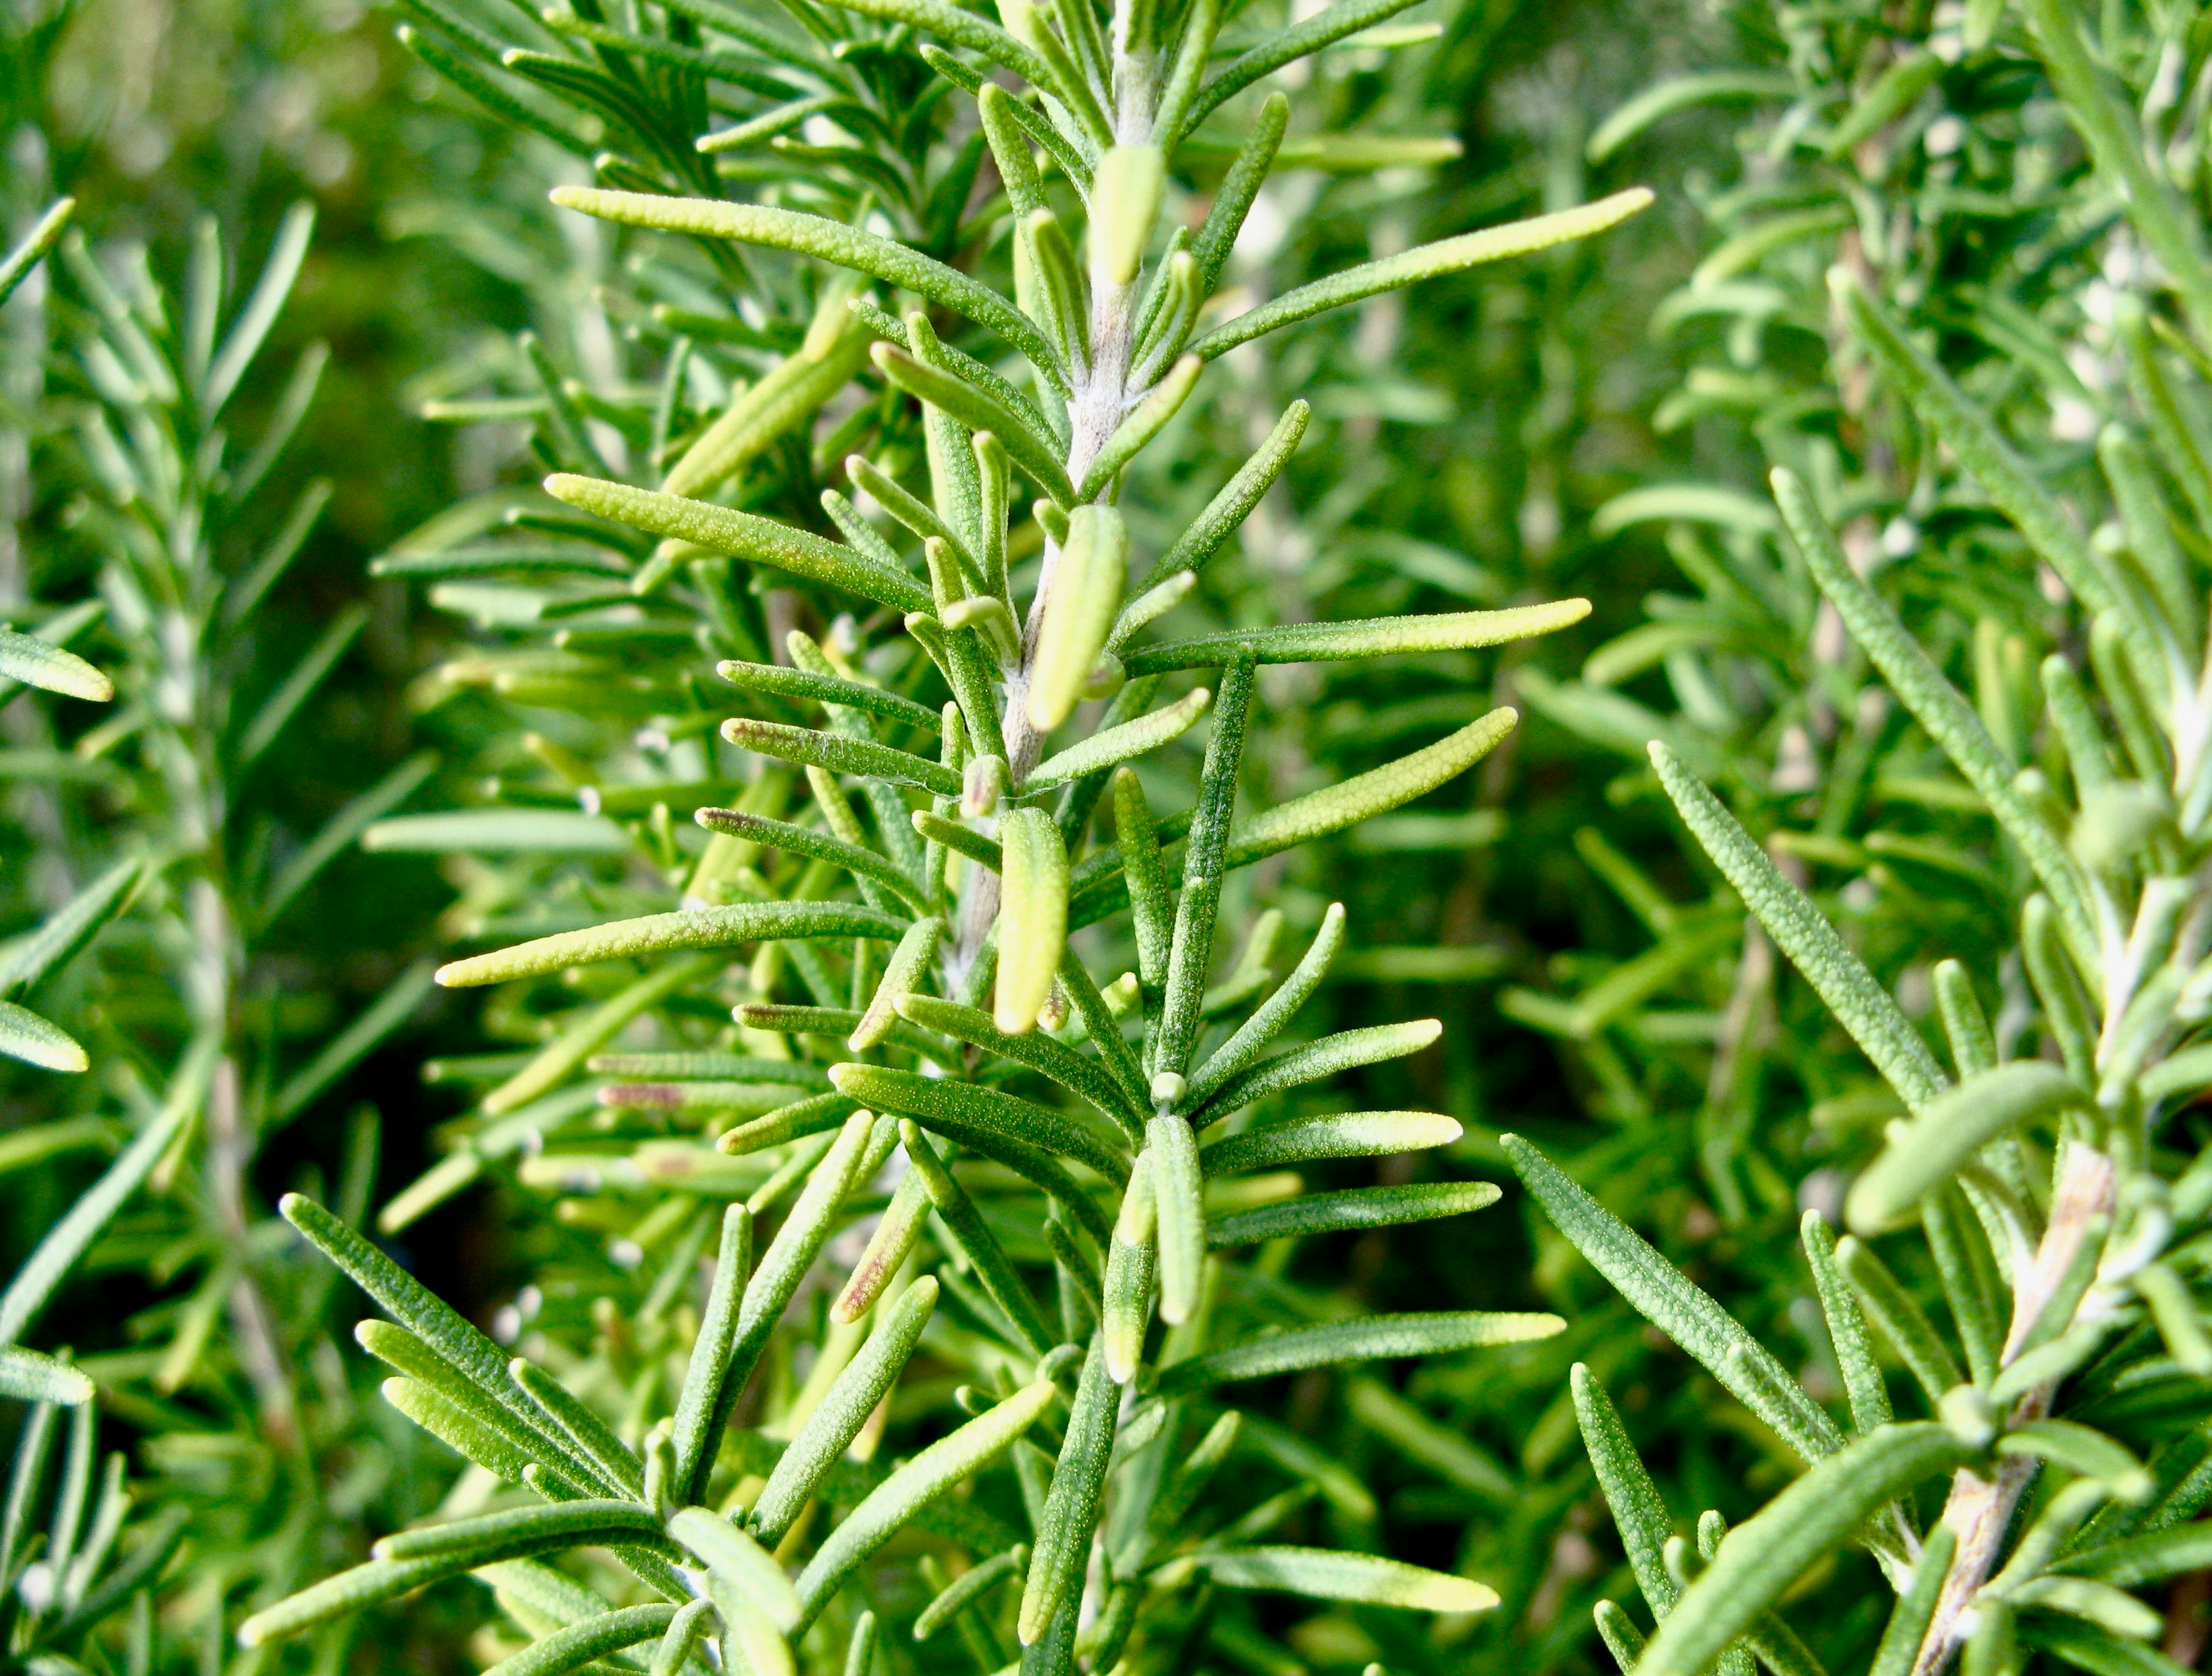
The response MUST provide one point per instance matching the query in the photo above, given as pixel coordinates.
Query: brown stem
(1980, 1511)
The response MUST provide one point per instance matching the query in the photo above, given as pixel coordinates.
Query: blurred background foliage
(1593, 421)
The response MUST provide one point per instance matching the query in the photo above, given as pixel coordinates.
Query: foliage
(974, 894)
(1983, 181)
(827, 1135)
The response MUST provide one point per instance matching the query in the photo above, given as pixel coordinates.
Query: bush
(823, 621)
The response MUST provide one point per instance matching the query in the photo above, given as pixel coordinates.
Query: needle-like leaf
(1380, 1336)
(1666, 1297)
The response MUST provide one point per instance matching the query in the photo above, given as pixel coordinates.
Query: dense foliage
(929, 604)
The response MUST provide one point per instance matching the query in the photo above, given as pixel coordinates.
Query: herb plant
(861, 1214)
(2048, 1171)
(920, 1049)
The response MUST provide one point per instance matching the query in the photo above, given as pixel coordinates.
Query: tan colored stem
(1980, 1511)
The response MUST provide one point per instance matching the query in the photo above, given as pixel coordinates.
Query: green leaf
(827, 690)
(1898, 1318)
(579, 1644)
(832, 241)
(1250, 1038)
(969, 1587)
(1318, 1061)
(1762, 1557)
(16, 265)
(1190, 945)
(1916, 1606)
(806, 1229)
(966, 1113)
(683, 1632)
(862, 757)
(1071, 1501)
(2082, 1450)
(1950, 719)
(656, 933)
(979, 409)
(287, 251)
(496, 832)
(517, 1531)
(742, 1576)
(1947, 1132)
(1125, 1311)
(1327, 1574)
(1863, 1006)
(30, 1376)
(1638, 1513)
(1080, 600)
(409, 1302)
(2165, 219)
(586, 1433)
(1032, 927)
(1152, 904)
(347, 1593)
(38, 662)
(469, 1416)
(65, 1241)
(1322, 642)
(756, 540)
(1980, 447)
(2093, 1648)
(1619, 1631)
(37, 1040)
(854, 858)
(463, 1429)
(1847, 1331)
(694, 1436)
(1437, 1446)
(906, 971)
(1665, 1297)
(1283, 47)
(896, 1232)
(1344, 1135)
(1240, 187)
(1202, 538)
(557, 1061)
(1116, 745)
(761, 415)
(975, 1242)
(1105, 1032)
(1681, 93)
(276, 711)
(1079, 1073)
(1318, 814)
(1448, 256)
(1011, 113)
(914, 1487)
(1179, 1207)
(1354, 1207)
(1440, 1334)
(2142, 1560)
(843, 1410)
(350, 823)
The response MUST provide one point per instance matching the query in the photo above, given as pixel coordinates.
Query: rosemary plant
(172, 861)
(926, 1069)
(2048, 1176)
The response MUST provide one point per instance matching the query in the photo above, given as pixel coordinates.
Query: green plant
(172, 846)
(913, 985)
(2053, 1169)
